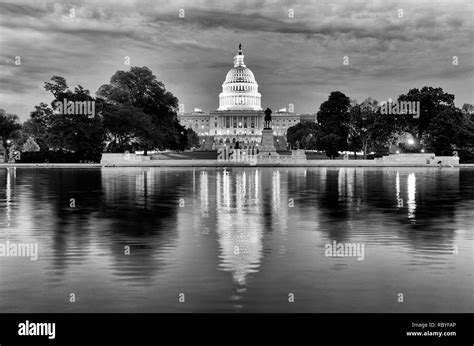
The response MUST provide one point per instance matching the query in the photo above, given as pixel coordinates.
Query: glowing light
(411, 141)
(411, 191)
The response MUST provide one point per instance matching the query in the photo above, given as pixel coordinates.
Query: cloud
(295, 60)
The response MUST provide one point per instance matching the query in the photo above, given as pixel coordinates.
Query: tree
(192, 138)
(432, 101)
(58, 87)
(78, 132)
(330, 143)
(333, 117)
(465, 137)
(138, 92)
(446, 131)
(37, 125)
(467, 108)
(122, 124)
(369, 130)
(30, 145)
(306, 134)
(9, 127)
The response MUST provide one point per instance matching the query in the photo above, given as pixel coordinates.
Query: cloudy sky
(296, 59)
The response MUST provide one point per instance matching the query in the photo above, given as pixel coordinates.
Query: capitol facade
(240, 117)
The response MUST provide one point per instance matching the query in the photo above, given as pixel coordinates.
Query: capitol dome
(240, 74)
(240, 89)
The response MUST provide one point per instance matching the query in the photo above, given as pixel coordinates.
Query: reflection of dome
(240, 90)
(239, 226)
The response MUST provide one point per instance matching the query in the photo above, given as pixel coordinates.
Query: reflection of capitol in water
(242, 214)
(239, 224)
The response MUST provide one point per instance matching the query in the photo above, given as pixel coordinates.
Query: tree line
(133, 112)
(345, 125)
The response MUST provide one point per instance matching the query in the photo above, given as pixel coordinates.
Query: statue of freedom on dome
(268, 118)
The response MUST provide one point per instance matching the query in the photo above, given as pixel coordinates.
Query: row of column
(238, 100)
(244, 121)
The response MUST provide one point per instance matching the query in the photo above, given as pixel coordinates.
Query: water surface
(238, 239)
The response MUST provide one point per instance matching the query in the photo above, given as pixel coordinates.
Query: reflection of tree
(140, 207)
(113, 208)
(54, 191)
(322, 191)
(420, 208)
(430, 201)
(421, 202)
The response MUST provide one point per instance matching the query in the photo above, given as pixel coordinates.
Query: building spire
(240, 48)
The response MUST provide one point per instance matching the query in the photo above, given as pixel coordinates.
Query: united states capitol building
(240, 117)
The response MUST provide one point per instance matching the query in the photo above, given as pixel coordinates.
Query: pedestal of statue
(267, 147)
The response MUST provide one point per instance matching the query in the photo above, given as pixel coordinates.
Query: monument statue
(268, 118)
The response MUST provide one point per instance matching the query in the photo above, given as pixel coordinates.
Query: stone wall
(112, 158)
(419, 159)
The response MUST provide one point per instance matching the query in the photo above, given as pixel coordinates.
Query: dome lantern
(239, 58)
